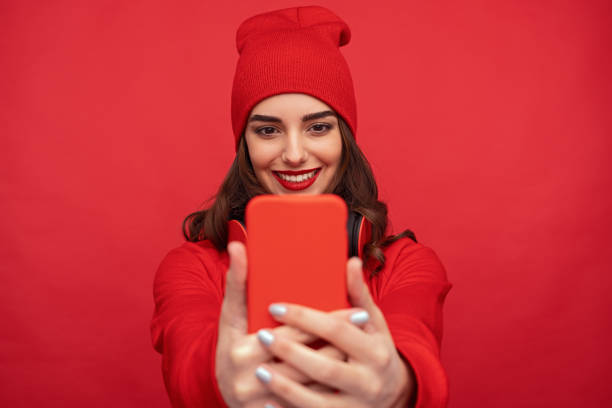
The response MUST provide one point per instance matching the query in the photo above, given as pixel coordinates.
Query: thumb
(359, 294)
(234, 309)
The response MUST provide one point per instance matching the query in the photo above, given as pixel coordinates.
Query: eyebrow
(305, 118)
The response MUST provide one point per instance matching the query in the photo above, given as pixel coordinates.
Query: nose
(294, 153)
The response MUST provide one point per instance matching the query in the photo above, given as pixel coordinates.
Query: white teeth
(297, 179)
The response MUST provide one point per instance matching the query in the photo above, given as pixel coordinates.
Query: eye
(265, 131)
(321, 128)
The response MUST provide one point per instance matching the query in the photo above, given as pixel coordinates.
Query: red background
(487, 124)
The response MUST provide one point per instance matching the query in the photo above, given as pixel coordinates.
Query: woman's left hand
(374, 374)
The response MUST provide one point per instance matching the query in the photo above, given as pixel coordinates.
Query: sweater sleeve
(411, 300)
(184, 328)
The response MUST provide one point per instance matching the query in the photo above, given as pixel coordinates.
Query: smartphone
(297, 253)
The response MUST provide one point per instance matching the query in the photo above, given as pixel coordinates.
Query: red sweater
(188, 291)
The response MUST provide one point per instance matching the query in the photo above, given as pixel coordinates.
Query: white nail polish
(276, 309)
(263, 375)
(265, 337)
(360, 317)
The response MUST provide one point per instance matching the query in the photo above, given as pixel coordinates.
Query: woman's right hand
(239, 354)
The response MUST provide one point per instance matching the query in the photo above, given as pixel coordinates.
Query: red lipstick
(296, 185)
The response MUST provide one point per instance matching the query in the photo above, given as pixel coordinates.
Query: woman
(294, 121)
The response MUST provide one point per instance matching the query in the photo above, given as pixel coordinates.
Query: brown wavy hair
(354, 182)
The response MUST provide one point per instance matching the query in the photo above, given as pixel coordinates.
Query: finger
(248, 350)
(290, 372)
(298, 395)
(320, 388)
(266, 402)
(294, 334)
(247, 388)
(251, 392)
(270, 403)
(340, 332)
(235, 279)
(294, 393)
(234, 308)
(320, 368)
(359, 294)
(332, 352)
(303, 337)
(252, 350)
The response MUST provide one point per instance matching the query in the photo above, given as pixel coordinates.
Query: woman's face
(294, 144)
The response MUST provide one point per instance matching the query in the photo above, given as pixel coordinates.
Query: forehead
(289, 104)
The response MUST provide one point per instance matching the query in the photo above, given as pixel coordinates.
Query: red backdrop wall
(487, 124)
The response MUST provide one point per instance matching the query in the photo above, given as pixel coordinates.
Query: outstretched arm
(199, 327)
(374, 374)
(394, 360)
(184, 328)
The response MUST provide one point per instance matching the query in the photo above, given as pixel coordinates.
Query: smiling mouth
(296, 180)
(297, 176)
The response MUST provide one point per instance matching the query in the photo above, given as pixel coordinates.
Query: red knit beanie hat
(293, 50)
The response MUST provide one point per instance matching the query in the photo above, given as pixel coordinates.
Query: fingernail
(276, 309)
(269, 406)
(263, 375)
(265, 337)
(360, 317)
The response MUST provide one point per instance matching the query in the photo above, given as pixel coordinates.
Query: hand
(374, 375)
(238, 354)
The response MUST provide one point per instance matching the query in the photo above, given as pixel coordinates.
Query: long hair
(353, 181)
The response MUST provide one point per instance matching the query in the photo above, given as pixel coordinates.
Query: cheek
(331, 151)
(261, 154)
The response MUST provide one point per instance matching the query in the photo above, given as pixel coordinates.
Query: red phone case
(297, 253)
